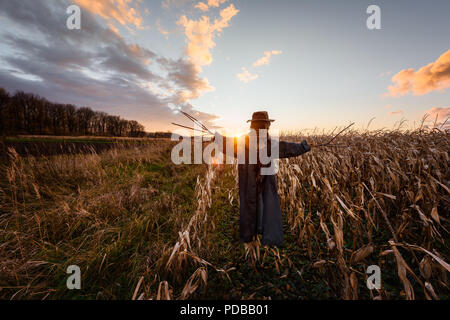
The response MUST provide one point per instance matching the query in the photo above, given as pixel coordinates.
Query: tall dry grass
(141, 228)
(113, 214)
(382, 199)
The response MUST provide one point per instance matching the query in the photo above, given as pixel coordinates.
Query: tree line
(27, 113)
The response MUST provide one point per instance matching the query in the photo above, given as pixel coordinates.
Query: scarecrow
(260, 211)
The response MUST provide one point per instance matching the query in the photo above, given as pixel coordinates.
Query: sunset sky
(308, 63)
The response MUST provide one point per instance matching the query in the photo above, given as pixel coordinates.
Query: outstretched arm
(292, 149)
(286, 149)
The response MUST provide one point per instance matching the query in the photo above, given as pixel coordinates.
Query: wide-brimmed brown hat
(260, 116)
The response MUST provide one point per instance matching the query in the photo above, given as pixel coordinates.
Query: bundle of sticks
(328, 144)
(202, 128)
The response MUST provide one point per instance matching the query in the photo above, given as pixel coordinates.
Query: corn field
(140, 227)
(384, 197)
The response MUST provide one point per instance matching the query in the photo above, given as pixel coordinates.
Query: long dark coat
(260, 210)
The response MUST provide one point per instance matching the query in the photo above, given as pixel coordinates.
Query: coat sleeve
(292, 149)
(286, 149)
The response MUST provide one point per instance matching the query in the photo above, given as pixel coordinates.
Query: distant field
(52, 145)
(141, 227)
(77, 139)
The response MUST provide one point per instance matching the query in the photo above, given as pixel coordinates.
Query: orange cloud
(246, 76)
(114, 10)
(442, 114)
(392, 113)
(202, 6)
(161, 29)
(266, 59)
(216, 3)
(434, 76)
(200, 34)
(211, 3)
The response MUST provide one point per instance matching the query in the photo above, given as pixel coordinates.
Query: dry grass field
(140, 227)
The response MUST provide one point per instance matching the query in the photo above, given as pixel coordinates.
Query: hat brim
(261, 120)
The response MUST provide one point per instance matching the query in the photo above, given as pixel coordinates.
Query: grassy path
(112, 214)
(278, 274)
